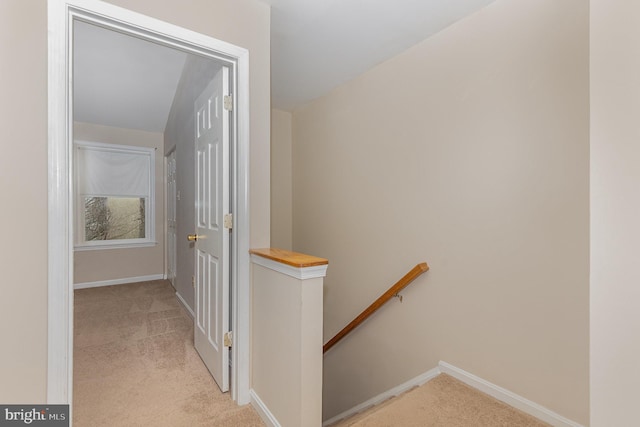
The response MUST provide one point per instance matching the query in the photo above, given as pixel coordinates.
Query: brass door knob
(192, 237)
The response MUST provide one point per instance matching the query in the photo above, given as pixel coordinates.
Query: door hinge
(228, 221)
(227, 101)
(228, 339)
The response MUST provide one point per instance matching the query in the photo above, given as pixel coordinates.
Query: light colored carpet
(135, 364)
(443, 402)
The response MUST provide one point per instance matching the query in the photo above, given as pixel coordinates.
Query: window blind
(103, 172)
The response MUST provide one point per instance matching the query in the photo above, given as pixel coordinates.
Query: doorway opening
(63, 17)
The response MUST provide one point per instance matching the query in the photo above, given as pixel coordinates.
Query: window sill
(102, 246)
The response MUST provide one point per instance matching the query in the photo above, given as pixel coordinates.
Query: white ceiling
(123, 81)
(316, 45)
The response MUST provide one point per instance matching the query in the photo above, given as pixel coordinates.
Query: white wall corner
(506, 396)
(262, 409)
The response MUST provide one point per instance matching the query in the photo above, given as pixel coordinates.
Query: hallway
(135, 364)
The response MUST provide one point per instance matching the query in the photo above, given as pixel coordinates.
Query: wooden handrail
(393, 291)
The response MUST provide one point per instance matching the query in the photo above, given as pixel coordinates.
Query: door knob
(192, 237)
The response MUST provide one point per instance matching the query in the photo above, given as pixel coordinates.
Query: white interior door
(171, 218)
(212, 237)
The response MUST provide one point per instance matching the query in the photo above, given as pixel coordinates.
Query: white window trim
(150, 211)
(118, 244)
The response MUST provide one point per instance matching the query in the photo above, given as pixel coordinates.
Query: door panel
(212, 244)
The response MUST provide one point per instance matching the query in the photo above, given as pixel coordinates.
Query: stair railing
(384, 298)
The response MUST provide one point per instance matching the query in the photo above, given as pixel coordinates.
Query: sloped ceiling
(123, 81)
(316, 45)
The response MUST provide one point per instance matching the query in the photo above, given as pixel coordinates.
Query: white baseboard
(497, 392)
(397, 390)
(118, 281)
(186, 306)
(507, 396)
(262, 409)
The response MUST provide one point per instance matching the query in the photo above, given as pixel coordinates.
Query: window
(114, 188)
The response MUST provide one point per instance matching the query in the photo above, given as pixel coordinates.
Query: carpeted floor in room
(135, 364)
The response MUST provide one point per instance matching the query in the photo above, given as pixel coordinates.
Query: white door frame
(60, 219)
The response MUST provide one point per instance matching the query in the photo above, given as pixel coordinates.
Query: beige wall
(281, 180)
(23, 170)
(615, 212)
(469, 151)
(23, 184)
(110, 264)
